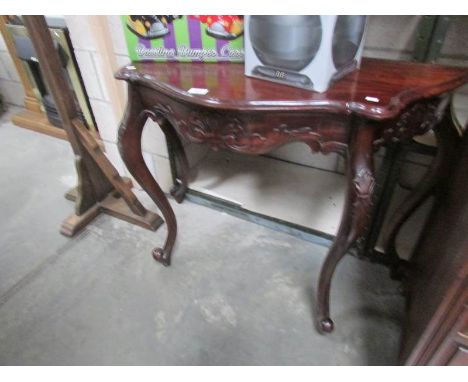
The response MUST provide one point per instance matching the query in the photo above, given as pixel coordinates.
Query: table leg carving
(356, 214)
(129, 141)
(447, 139)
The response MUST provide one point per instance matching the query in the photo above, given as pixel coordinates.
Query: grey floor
(236, 294)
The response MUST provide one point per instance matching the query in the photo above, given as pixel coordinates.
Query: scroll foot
(130, 133)
(326, 325)
(161, 256)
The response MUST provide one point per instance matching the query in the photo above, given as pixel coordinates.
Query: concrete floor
(236, 294)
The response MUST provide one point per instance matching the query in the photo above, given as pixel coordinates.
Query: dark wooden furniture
(100, 187)
(436, 331)
(383, 102)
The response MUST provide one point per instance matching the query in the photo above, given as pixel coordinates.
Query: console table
(384, 102)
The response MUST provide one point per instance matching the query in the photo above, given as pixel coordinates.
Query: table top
(380, 89)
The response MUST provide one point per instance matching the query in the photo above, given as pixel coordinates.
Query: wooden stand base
(37, 121)
(113, 205)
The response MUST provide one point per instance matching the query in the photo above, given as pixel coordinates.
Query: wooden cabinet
(454, 350)
(436, 332)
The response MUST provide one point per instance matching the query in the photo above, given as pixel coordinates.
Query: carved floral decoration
(363, 183)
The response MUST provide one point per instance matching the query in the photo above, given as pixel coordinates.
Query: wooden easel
(100, 187)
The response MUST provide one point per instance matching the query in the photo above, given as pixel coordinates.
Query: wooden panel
(38, 121)
(460, 358)
(454, 340)
(439, 277)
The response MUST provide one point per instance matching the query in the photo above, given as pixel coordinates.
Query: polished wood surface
(381, 89)
(383, 103)
(37, 121)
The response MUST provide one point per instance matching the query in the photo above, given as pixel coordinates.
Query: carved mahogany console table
(383, 102)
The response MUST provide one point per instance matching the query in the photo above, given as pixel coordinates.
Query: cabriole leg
(129, 141)
(356, 214)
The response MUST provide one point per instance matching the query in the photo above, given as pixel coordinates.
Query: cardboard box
(191, 38)
(309, 52)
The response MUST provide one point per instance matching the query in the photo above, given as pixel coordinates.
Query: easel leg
(99, 186)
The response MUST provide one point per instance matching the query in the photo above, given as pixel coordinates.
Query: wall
(455, 52)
